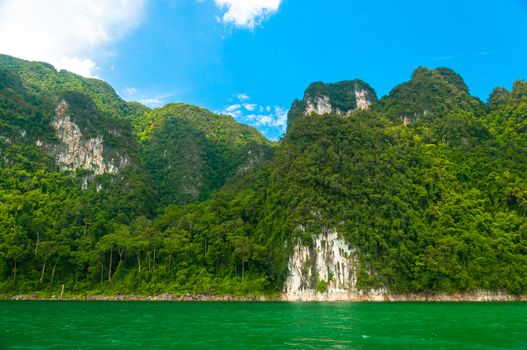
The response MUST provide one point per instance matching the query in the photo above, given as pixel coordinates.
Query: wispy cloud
(270, 120)
(242, 96)
(247, 13)
(157, 100)
(65, 33)
(453, 57)
(130, 91)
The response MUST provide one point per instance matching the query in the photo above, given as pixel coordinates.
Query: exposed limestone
(75, 152)
(322, 104)
(362, 100)
(329, 259)
(333, 260)
(318, 105)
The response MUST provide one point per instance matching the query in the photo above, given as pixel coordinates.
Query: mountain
(420, 191)
(41, 79)
(77, 161)
(430, 92)
(342, 98)
(208, 150)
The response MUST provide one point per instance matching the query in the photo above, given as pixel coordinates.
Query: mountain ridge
(421, 191)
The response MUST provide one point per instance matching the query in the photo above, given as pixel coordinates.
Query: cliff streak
(319, 105)
(329, 260)
(78, 153)
(322, 104)
(333, 260)
(362, 100)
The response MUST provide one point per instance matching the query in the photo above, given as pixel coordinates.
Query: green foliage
(206, 205)
(208, 150)
(429, 95)
(322, 286)
(42, 79)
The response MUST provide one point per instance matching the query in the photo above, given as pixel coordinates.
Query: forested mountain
(191, 152)
(76, 161)
(423, 190)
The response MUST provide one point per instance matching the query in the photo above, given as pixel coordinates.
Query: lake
(202, 325)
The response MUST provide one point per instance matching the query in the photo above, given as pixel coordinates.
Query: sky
(252, 58)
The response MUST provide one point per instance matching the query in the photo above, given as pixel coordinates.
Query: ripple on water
(96, 325)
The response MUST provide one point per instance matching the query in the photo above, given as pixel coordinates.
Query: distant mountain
(422, 191)
(191, 152)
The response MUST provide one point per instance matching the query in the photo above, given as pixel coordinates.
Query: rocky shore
(134, 297)
(386, 296)
(365, 296)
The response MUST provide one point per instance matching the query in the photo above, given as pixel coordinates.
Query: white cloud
(157, 100)
(152, 102)
(65, 33)
(232, 108)
(250, 106)
(247, 13)
(277, 118)
(130, 91)
(85, 67)
(270, 120)
(242, 96)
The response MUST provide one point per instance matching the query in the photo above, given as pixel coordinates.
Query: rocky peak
(342, 98)
(431, 93)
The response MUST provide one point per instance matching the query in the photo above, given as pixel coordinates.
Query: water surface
(203, 325)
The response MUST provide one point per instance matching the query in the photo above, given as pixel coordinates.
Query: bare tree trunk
(38, 242)
(62, 292)
(14, 273)
(43, 269)
(154, 261)
(110, 266)
(121, 251)
(138, 255)
(149, 262)
(53, 272)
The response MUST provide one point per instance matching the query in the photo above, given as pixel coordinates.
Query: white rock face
(78, 153)
(362, 99)
(322, 104)
(329, 258)
(319, 105)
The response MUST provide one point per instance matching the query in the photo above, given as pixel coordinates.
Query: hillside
(420, 191)
(76, 161)
(208, 150)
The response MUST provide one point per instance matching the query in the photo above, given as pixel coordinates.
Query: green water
(156, 325)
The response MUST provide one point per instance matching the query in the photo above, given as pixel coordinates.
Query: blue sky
(252, 58)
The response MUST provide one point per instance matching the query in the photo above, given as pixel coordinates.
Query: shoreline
(317, 297)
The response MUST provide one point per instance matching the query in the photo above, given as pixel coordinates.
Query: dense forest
(101, 195)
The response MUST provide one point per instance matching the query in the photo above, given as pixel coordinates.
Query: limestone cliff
(329, 263)
(76, 151)
(342, 98)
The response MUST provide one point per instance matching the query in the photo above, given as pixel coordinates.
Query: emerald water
(201, 325)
